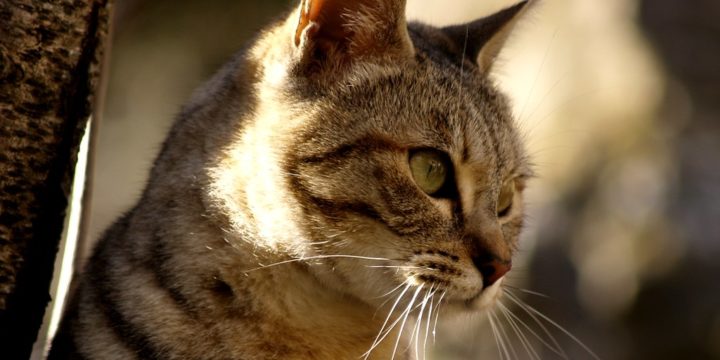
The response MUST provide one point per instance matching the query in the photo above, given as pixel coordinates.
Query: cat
(347, 173)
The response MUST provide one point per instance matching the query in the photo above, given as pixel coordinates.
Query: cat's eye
(431, 170)
(505, 199)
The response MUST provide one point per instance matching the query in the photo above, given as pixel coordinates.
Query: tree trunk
(50, 54)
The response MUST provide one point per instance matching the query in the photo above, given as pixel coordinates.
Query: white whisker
(561, 77)
(563, 105)
(378, 339)
(537, 76)
(559, 327)
(390, 292)
(462, 64)
(495, 336)
(402, 326)
(507, 337)
(500, 331)
(526, 291)
(382, 335)
(388, 299)
(427, 326)
(394, 266)
(397, 320)
(418, 322)
(518, 332)
(437, 314)
(320, 242)
(557, 349)
(317, 257)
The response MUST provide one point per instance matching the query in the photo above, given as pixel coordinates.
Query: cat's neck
(328, 323)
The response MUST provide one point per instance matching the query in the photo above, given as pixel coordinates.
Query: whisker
(518, 332)
(508, 322)
(377, 340)
(505, 333)
(565, 331)
(388, 299)
(429, 317)
(462, 64)
(418, 322)
(500, 337)
(402, 326)
(526, 291)
(413, 332)
(562, 106)
(390, 292)
(316, 257)
(495, 336)
(382, 335)
(321, 242)
(397, 320)
(542, 100)
(537, 76)
(437, 314)
(396, 266)
(557, 349)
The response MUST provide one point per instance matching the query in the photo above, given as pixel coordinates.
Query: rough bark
(50, 54)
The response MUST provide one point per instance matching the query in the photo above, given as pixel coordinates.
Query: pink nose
(493, 270)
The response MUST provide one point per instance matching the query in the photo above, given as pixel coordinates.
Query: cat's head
(376, 139)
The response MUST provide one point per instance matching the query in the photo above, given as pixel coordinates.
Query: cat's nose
(492, 269)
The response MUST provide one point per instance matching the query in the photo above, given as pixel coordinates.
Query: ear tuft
(483, 39)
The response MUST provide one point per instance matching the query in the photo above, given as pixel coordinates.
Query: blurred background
(618, 100)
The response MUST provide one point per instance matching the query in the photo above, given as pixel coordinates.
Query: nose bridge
(485, 238)
(487, 248)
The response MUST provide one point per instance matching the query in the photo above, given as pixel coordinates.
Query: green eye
(505, 199)
(430, 169)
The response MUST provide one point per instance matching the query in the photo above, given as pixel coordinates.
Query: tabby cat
(324, 196)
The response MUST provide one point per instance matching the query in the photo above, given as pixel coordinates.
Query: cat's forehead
(426, 104)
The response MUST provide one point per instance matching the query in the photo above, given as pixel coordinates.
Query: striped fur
(286, 167)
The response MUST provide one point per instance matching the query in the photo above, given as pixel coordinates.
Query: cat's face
(386, 153)
(416, 165)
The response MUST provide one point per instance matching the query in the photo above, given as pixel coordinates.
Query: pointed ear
(345, 30)
(483, 39)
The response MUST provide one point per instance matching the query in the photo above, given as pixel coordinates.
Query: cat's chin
(482, 300)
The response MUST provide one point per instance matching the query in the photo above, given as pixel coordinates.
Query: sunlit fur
(281, 219)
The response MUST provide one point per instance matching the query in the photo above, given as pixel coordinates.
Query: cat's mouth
(485, 298)
(458, 278)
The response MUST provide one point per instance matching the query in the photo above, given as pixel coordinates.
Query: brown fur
(298, 148)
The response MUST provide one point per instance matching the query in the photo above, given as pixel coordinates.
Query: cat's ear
(483, 39)
(342, 31)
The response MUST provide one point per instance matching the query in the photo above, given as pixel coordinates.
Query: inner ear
(481, 40)
(326, 17)
(345, 30)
